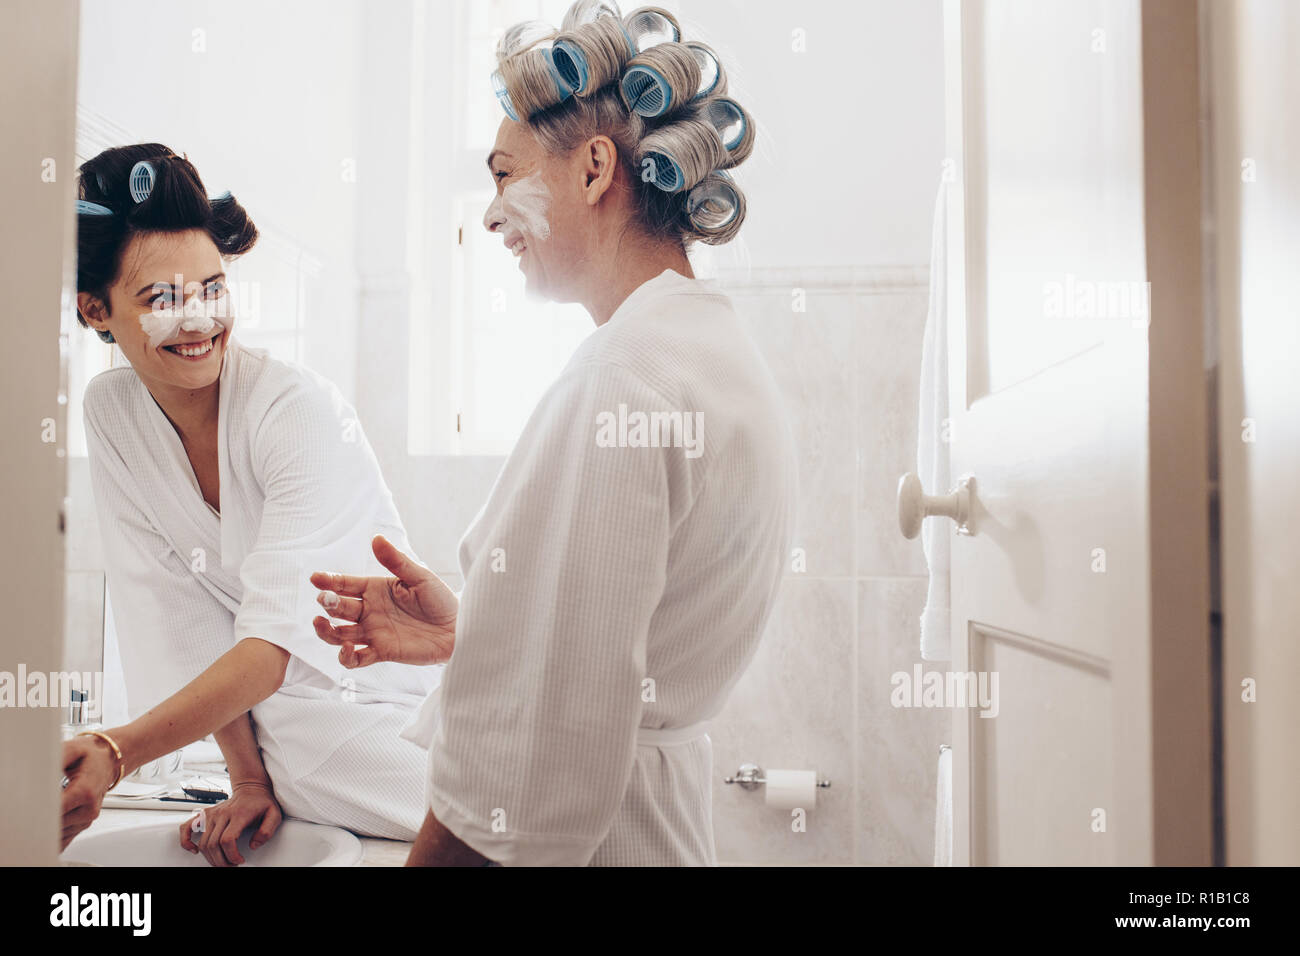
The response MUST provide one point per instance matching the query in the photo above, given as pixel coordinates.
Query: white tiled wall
(816, 696)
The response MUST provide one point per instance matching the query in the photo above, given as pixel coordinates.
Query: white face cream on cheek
(525, 205)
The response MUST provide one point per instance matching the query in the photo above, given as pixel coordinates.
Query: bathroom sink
(296, 843)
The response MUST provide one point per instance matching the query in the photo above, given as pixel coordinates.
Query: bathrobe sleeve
(537, 720)
(170, 626)
(323, 504)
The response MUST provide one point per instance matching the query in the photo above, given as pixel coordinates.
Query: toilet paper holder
(750, 777)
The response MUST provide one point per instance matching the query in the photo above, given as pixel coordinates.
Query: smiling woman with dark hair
(222, 477)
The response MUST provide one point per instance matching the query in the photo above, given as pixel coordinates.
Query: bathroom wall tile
(897, 747)
(792, 709)
(888, 333)
(811, 357)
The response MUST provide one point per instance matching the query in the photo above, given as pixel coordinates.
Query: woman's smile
(194, 351)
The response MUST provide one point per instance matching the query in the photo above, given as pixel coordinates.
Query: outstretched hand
(410, 619)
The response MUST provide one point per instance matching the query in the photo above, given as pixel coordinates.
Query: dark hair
(176, 202)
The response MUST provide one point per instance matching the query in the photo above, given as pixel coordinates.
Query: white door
(38, 68)
(1083, 585)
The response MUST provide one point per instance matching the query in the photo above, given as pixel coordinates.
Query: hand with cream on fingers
(410, 619)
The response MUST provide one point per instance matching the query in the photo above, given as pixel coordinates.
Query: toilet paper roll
(787, 789)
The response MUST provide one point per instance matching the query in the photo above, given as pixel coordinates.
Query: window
(506, 349)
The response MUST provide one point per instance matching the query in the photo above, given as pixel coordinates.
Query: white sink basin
(296, 843)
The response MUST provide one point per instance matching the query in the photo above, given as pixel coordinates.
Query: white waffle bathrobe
(301, 491)
(614, 595)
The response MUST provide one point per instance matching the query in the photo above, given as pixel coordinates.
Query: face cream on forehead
(525, 204)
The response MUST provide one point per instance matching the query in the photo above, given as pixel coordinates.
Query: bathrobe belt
(667, 736)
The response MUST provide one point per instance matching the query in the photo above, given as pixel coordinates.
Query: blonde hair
(660, 100)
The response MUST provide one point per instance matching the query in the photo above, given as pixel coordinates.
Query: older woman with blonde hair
(620, 575)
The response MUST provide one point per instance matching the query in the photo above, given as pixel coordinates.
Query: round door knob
(914, 505)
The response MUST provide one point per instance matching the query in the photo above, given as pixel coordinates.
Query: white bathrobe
(301, 491)
(614, 595)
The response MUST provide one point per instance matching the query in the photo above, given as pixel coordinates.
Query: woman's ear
(94, 310)
(599, 162)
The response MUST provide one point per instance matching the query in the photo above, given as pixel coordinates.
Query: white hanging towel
(301, 491)
(943, 811)
(614, 594)
(932, 442)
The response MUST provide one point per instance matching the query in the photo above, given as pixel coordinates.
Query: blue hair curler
(668, 176)
(87, 208)
(649, 26)
(711, 75)
(224, 196)
(714, 202)
(141, 180)
(503, 95)
(563, 89)
(646, 91)
(729, 120)
(572, 64)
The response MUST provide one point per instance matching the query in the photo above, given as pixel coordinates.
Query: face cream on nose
(163, 324)
(525, 204)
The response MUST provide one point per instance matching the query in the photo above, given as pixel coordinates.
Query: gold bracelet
(117, 751)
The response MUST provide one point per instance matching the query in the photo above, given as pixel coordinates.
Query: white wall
(267, 108)
(850, 139)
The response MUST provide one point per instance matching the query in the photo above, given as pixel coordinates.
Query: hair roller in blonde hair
(650, 26)
(591, 53)
(661, 80)
(587, 11)
(677, 156)
(527, 80)
(730, 121)
(716, 207)
(713, 81)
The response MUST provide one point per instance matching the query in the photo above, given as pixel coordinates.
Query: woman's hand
(91, 768)
(250, 804)
(410, 619)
